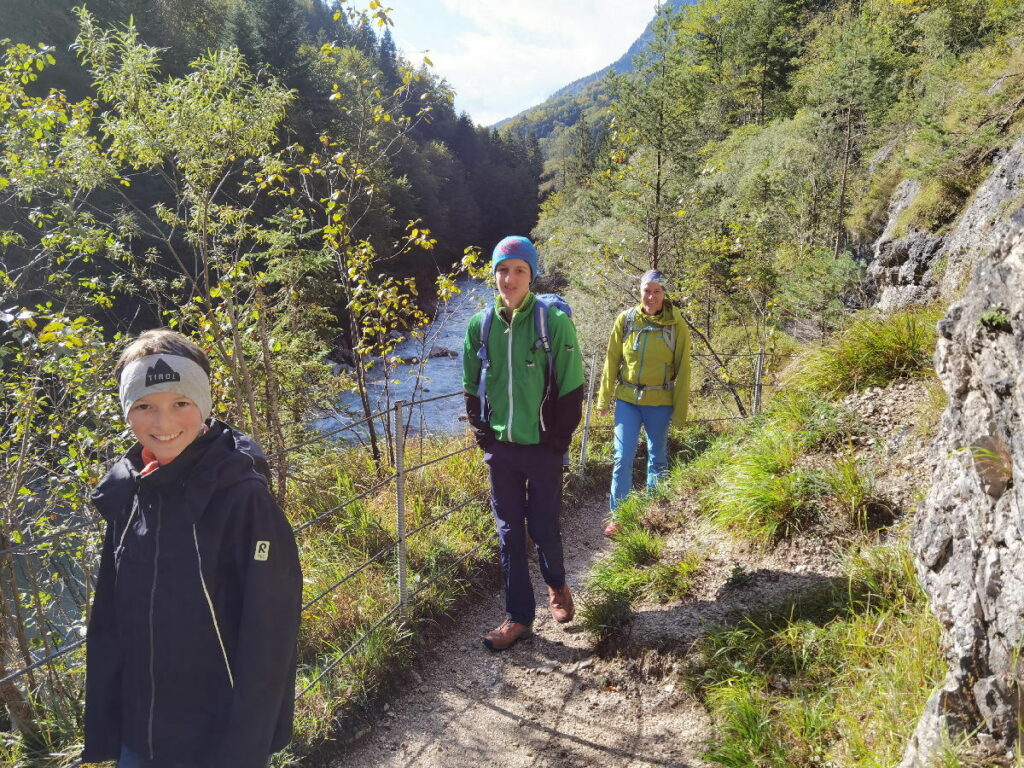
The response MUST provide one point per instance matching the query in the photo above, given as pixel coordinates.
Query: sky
(504, 56)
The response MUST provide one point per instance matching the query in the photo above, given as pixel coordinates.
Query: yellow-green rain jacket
(640, 366)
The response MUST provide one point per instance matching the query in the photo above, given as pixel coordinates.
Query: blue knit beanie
(515, 247)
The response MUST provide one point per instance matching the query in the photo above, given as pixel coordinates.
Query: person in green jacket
(523, 406)
(647, 374)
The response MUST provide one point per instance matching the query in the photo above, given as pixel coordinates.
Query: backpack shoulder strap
(669, 334)
(630, 327)
(486, 316)
(540, 324)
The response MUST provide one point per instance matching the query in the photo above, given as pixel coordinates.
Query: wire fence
(396, 415)
(396, 547)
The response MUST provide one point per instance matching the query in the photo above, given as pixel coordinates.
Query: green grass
(633, 570)
(837, 679)
(872, 351)
(443, 563)
(759, 493)
(852, 485)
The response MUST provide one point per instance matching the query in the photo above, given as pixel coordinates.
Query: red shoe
(508, 634)
(612, 529)
(560, 603)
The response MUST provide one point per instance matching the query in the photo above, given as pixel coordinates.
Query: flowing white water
(429, 376)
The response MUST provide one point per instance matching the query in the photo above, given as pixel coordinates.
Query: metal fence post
(758, 374)
(403, 590)
(586, 418)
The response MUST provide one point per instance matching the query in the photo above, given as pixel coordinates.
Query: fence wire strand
(449, 513)
(349, 576)
(349, 502)
(33, 546)
(362, 639)
(43, 661)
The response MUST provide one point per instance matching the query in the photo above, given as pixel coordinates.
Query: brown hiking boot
(508, 634)
(560, 603)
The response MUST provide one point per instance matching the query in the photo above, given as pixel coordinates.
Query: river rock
(439, 351)
(968, 536)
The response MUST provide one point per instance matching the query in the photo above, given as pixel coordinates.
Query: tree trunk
(841, 208)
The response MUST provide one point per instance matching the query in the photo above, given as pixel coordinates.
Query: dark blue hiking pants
(526, 495)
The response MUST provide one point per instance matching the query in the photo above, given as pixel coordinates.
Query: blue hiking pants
(655, 419)
(526, 495)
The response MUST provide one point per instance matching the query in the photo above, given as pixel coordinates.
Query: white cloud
(503, 56)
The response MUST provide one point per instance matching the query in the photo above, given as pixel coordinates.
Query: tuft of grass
(852, 485)
(814, 422)
(760, 494)
(604, 612)
(840, 679)
(871, 352)
(672, 580)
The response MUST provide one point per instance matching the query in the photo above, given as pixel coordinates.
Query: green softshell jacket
(628, 371)
(516, 379)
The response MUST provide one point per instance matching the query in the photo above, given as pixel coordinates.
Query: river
(441, 375)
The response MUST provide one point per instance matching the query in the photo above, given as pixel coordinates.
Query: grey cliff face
(968, 536)
(900, 266)
(918, 266)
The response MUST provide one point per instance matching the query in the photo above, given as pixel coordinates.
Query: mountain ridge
(621, 65)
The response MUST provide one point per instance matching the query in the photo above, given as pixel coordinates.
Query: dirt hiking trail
(548, 701)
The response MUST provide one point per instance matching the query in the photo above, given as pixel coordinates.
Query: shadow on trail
(763, 597)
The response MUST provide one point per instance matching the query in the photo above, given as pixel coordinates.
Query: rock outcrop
(900, 270)
(917, 267)
(969, 533)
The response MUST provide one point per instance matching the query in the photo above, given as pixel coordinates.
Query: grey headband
(165, 373)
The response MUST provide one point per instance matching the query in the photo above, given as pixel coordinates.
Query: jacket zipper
(511, 401)
(213, 613)
(152, 607)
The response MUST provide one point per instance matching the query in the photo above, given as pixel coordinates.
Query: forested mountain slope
(788, 162)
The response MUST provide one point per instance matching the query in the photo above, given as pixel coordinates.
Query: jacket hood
(220, 458)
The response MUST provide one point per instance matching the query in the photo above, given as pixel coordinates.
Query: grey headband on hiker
(165, 373)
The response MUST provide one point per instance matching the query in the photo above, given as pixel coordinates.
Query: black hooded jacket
(191, 640)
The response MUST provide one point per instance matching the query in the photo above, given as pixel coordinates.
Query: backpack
(540, 324)
(668, 333)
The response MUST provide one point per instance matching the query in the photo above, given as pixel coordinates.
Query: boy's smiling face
(513, 278)
(165, 423)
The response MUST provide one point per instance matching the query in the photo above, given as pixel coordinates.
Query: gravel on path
(547, 702)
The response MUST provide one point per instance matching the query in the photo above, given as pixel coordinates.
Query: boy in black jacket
(191, 639)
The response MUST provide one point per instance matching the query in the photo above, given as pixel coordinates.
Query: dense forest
(754, 153)
(337, 74)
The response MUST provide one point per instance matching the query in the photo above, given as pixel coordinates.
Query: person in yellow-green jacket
(647, 375)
